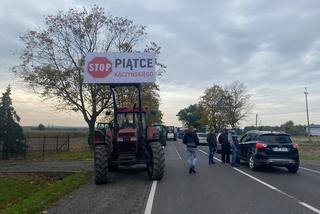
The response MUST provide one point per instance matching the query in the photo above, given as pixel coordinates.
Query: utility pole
(306, 95)
(256, 120)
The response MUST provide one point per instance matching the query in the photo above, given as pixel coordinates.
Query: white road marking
(207, 154)
(310, 207)
(311, 170)
(272, 187)
(256, 179)
(177, 151)
(203, 152)
(150, 198)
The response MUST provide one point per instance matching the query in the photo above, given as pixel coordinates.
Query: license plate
(280, 149)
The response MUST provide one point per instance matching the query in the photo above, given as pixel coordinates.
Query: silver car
(202, 138)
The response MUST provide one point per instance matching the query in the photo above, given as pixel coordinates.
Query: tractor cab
(129, 118)
(130, 130)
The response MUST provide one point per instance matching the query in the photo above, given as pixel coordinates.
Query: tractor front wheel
(101, 154)
(155, 165)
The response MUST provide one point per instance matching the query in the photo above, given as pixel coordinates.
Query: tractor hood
(128, 132)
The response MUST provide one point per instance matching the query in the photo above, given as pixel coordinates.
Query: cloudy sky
(271, 46)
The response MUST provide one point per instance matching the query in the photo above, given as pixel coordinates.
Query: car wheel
(293, 169)
(252, 163)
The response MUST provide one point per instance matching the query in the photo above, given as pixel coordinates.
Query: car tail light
(260, 145)
(296, 146)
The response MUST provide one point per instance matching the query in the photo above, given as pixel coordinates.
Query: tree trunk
(91, 134)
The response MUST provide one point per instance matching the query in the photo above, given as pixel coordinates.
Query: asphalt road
(219, 188)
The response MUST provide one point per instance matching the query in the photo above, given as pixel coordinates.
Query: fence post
(25, 148)
(68, 143)
(57, 144)
(43, 145)
(3, 150)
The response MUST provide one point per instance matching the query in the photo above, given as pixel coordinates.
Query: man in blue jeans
(212, 143)
(234, 147)
(191, 140)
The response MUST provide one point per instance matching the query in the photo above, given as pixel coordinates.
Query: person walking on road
(212, 143)
(191, 140)
(234, 148)
(225, 146)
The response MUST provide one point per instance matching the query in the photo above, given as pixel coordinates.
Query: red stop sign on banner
(99, 67)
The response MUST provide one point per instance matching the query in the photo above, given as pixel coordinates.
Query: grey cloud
(272, 46)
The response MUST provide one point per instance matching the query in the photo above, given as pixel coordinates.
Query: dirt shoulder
(125, 193)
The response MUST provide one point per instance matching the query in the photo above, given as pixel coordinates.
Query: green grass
(39, 196)
(14, 189)
(308, 150)
(76, 155)
(308, 156)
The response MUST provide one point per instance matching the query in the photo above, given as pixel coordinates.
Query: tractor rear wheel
(155, 165)
(101, 154)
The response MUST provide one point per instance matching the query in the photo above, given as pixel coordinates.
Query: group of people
(228, 145)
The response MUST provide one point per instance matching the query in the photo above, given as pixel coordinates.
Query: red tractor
(128, 141)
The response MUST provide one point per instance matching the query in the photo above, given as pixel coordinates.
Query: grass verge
(40, 197)
(308, 150)
(75, 155)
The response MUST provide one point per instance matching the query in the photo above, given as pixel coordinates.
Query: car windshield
(272, 138)
(170, 129)
(130, 120)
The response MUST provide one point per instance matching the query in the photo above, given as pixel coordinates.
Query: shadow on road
(126, 173)
(268, 169)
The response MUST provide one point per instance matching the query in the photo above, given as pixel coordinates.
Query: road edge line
(177, 151)
(207, 154)
(311, 170)
(310, 207)
(273, 188)
(150, 198)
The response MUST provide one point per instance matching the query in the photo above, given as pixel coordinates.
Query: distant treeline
(289, 127)
(55, 128)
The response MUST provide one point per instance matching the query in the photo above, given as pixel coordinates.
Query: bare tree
(226, 107)
(237, 103)
(53, 57)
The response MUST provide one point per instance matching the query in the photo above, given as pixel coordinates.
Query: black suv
(269, 148)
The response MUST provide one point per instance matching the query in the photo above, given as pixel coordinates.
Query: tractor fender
(102, 138)
(151, 134)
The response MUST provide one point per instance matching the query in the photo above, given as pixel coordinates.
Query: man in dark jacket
(191, 140)
(212, 143)
(225, 146)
